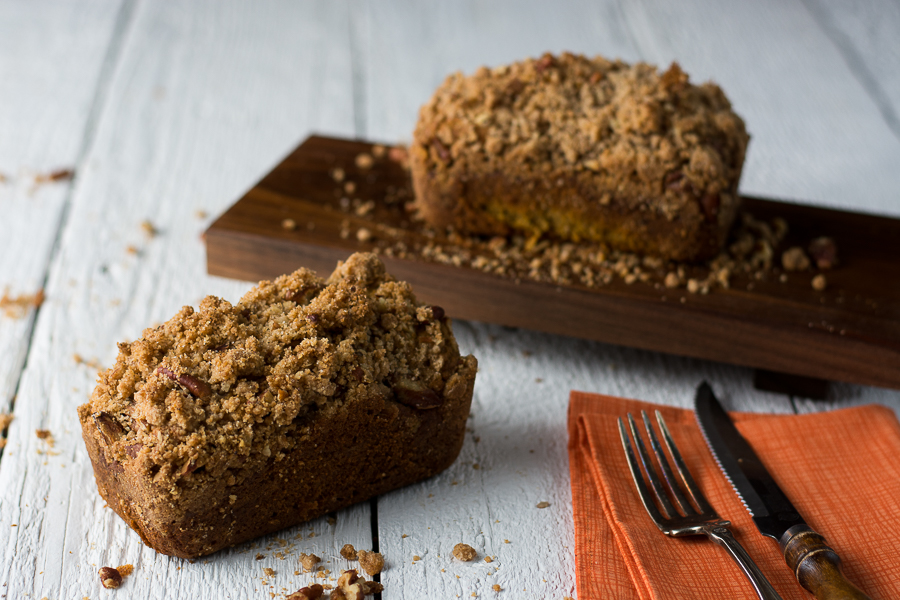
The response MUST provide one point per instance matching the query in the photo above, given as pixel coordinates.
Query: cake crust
(582, 149)
(234, 421)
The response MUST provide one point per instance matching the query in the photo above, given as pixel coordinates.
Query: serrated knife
(815, 565)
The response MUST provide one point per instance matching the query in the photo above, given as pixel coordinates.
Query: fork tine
(689, 483)
(661, 496)
(643, 490)
(674, 486)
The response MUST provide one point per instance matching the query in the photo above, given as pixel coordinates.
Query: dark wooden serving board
(850, 332)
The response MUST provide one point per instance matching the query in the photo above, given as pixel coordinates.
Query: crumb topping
(216, 390)
(612, 124)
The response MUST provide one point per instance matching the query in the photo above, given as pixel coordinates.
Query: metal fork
(696, 519)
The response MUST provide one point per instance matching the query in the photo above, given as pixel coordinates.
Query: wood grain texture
(204, 98)
(52, 64)
(850, 332)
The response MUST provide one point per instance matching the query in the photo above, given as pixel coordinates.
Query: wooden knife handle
(816, 565)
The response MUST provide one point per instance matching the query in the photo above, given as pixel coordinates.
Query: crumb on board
(464, 552)
(543, 504)
(5, 420)
(260, 556)
(496, 588)
(269, 571)
(794, 259)
(289, 224)
(364, 161)
(819, 283)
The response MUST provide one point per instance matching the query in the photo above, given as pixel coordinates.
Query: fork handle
(816, 565)
(720, 534)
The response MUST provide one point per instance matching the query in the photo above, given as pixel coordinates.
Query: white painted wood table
(168, 111)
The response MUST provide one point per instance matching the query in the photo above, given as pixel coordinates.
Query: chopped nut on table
(350, 586)
(110, 577)
(464, 552)
(310, 592)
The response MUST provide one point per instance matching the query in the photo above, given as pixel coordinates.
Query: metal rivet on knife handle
(816, 565)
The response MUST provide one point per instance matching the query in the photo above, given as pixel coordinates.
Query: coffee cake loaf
(582, 149)
(232, 421)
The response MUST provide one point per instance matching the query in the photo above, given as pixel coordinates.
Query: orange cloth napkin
(841, 469)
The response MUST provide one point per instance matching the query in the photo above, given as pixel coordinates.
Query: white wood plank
(817, 134)
(205, 98)
(51, 60)
(865, 34)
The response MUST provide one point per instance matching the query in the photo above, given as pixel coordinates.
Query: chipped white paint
(170, 110)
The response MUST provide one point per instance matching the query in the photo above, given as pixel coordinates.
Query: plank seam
(857, 65)
(110, 59)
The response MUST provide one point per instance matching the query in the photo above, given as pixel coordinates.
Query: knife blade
(815, 565)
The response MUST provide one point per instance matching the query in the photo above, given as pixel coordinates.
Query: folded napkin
(841, 469)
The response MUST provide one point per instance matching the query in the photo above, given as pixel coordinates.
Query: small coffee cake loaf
(582, 149)
(233, 421)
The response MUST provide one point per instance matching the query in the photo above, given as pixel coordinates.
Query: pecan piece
(710, 204)
(311, 592)
(110, 578)
(372, 562)
(441, 150)
(349, 587)
(823, 251)
(195, 386)
(416, 395)
(109, 428)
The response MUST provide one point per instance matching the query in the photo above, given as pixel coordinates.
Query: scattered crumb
(93, 362)
(44, 434)
(289, 224)
(488, 559)
(496, 588)
(16, 307)
(505, 541)
(379, 151)
(404, 536)
(200, 214)
(350, 188)
(464, 552)
(54, 176)
(371, 562)
(2, 443)
(148, 228)
(364, 161)
(363, 234)
(476, 466)
(308, 561)
(338, 174)
(416, 557)
(819, 283)
(131, 249)
(794, 259)
(5, 420)
(349, 552)
(269, 571)
(260, 556)
(543, 504)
